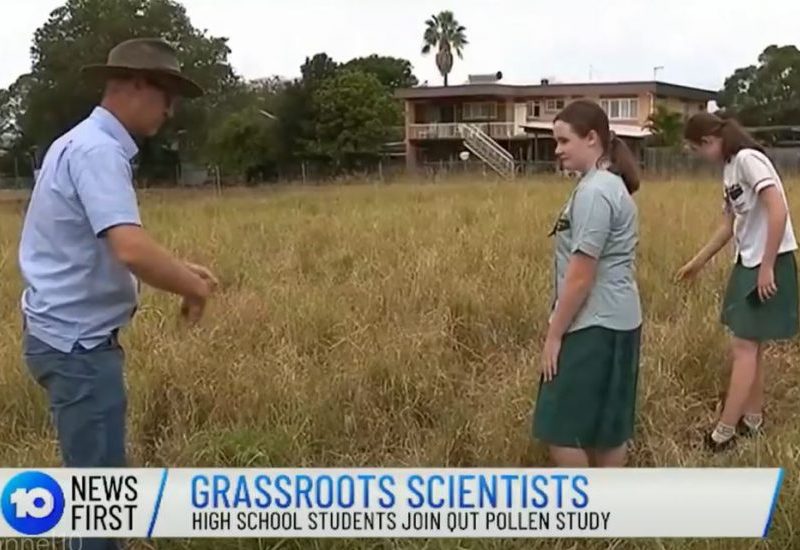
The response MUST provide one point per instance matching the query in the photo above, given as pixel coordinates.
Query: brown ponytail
(584, 116)
(623, 163)
(734, 137)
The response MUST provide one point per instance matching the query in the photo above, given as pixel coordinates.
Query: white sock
(753, 420)
(722, 432)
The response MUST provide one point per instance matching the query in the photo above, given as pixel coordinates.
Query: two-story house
(440, 120)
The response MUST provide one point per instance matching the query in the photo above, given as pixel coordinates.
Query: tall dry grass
(400, 326)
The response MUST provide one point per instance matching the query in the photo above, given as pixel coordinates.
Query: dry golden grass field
(400, 325)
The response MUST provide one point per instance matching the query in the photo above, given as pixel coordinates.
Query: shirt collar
(586, 176)
(112, 126)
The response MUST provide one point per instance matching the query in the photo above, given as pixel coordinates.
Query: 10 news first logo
(388, 503)
(33, 503)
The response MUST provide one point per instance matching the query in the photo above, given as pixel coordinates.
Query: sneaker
(715, 447)
(744, 430)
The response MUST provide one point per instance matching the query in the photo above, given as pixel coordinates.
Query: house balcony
(450, 130)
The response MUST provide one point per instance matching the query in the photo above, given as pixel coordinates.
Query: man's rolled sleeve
(104, 183)
(591, 222)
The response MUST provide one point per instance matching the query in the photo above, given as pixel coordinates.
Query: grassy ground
(400, 326)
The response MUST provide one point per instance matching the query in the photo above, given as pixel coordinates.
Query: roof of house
(557, 89)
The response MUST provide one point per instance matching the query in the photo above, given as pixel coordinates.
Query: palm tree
(666, 126)
(444, 32)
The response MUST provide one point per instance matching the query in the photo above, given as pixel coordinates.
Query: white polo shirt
(744, 177)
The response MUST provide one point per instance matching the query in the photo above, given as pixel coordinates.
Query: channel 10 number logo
(32, 503)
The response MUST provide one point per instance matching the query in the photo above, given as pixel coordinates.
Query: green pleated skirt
(591, 402)
(749, 318)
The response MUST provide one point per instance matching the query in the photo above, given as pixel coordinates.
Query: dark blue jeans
(86, 390)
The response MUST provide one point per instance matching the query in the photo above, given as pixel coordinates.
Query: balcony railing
(450, 130)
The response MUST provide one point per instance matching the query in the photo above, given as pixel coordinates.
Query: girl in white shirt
(761, 300)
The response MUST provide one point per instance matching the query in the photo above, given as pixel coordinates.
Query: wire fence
(677, 163)
(655, 163)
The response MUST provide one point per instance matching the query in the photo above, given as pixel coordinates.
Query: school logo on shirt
(734, 192)
(562, 224)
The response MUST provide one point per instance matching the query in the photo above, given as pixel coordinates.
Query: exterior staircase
(488, 150)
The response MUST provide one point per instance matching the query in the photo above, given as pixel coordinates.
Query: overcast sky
(697, 42)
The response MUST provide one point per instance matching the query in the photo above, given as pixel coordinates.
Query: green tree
(6, 133)
(666, 126)
(295, 125)
(353, 117)
(19, 153)
(261, 133)
(317, 69)
(245, 143)
(11, 108)
(6, 122)
(767, 93)
(444, 33)
(294, 108)
(392, 72)
(82, 32)
(272, 124)
(287, 137)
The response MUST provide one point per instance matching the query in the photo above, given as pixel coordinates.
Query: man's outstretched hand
(205, 274)
(192, 307)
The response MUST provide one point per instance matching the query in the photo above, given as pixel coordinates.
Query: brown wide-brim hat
(152, 57)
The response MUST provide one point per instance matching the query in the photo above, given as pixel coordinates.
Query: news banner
(388, 503)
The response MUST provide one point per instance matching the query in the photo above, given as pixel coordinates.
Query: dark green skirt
(750, 319)
(591, 401)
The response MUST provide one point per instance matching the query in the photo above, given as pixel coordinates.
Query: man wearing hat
(83, 250)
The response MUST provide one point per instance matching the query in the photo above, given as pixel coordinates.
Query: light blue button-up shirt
(76, 291)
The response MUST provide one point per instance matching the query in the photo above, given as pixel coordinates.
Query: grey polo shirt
(600, 219)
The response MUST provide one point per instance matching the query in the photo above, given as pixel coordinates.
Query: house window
(534, 109)
(621, 109)
(486, 110)
(554, 105)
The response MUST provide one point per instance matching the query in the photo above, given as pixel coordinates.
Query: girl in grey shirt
(590, 362)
